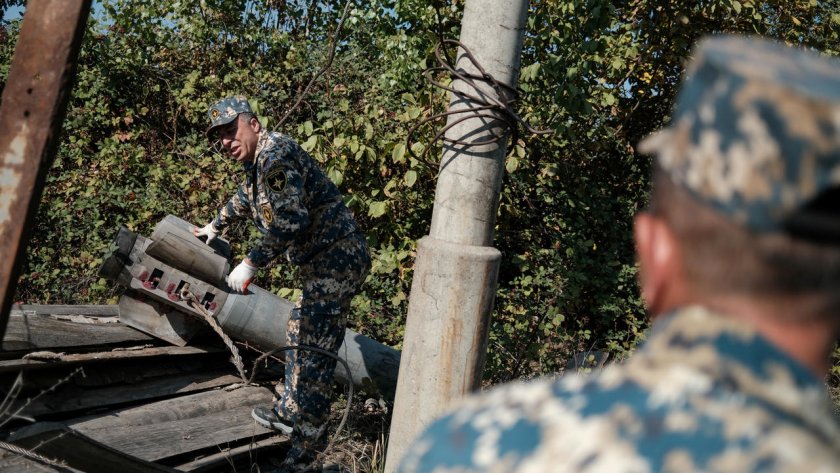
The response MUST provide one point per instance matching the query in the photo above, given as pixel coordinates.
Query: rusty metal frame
(31, 113)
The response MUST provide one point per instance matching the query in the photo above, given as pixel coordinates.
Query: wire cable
(188, 296)
(33, 456)
(344, 364)
(481, 104)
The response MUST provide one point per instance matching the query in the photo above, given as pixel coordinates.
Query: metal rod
(33, 105)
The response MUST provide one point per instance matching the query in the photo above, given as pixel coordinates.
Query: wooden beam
(25, 331)
(84, 453)
(107, 310)
(180, 425)
(230, 456)
(164, 429)
(33, 105)
(50, 359)
(74, 399)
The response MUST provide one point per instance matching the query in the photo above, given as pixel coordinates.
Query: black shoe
(270, 419)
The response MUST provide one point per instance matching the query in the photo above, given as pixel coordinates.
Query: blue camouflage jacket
(294, 205)
(704, 394)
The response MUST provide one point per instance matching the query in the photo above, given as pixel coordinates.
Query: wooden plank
(180, 425)
(175, 409)
(50, 360)
(33, 105)
(84, 453)
(72, 398)
(230, 456)
(27, 331)
(121, 373)
(110, 310)
(157, 442)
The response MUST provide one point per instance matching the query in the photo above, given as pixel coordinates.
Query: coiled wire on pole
(482, 104)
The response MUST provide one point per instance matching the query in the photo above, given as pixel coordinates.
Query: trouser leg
(330, 282)
(309, 373)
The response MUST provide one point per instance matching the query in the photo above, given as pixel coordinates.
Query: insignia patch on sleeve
(275, 180)
(267, 213)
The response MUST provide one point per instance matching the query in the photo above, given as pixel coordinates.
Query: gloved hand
(208, 230)
(241, 276)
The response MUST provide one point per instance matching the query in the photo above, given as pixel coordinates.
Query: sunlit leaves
(410, 178)
(600, 73)
(377, 209)
(398, 153)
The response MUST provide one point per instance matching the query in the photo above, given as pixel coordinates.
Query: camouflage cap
(755, 134)
(226, 110)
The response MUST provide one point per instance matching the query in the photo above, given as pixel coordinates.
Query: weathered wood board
(183, 424)
(107, 310)
(74, 399)
(138, 407)
(82, 452)
(230, 456)
(51, 359)
(32, 331)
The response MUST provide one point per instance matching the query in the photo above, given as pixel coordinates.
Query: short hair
(247, 116)
(722, 257)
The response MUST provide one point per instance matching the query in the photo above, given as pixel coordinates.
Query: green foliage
(600, 73)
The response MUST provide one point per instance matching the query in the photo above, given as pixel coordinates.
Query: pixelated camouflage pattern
(330, 282)
(305, 218)
(226, 110)
(756, 130)
(704, 394)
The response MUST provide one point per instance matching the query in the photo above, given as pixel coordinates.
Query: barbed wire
(481, 104)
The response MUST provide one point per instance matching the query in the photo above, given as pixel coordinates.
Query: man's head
(234, 124)
(746, 198)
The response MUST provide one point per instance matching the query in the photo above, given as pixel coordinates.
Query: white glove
(241, 277)
(208, 230)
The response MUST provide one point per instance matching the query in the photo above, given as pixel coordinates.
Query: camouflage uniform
(301, 215)
(755, 136)
(703, 394)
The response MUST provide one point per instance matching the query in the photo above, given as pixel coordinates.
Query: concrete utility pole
(34, 101)
(456, 269)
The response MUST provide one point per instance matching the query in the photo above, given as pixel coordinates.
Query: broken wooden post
(455, 274)
(32, 111)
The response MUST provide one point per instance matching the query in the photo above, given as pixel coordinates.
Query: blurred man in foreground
(739, 259)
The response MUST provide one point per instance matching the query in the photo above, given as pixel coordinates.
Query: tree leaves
(600, 73)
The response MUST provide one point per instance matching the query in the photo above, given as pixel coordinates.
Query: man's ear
(660, 265)
(255, 124)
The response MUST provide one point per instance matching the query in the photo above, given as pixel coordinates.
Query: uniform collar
(734, 341)
(263, 141)
(732, 356)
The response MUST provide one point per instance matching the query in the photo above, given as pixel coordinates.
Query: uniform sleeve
(236, 208)
(284, 211)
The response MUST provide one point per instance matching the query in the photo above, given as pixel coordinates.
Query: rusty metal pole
(32, 111)
(455, 273)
